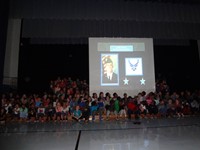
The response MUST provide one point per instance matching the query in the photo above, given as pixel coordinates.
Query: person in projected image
(109, 76)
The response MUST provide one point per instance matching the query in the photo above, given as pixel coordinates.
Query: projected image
(133, 66)
(109, 69)
(121, 65)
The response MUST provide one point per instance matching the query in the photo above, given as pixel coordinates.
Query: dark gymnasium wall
(54, 37)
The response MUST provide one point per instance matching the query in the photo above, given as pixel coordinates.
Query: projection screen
(121, 65)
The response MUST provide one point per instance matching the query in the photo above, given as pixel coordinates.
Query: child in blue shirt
(77, 113)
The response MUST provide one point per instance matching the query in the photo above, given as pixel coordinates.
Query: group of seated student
(70, 99)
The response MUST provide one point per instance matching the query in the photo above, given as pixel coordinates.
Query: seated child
(41, 113)
(77, 114)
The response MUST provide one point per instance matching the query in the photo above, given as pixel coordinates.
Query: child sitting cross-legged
(77, 114)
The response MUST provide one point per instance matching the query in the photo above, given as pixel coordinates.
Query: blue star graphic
(125, 81)
(142, 81)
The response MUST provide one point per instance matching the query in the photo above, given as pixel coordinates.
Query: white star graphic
(142, 81)
(125, 81)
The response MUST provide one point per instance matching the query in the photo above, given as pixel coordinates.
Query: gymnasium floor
(151, 134)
